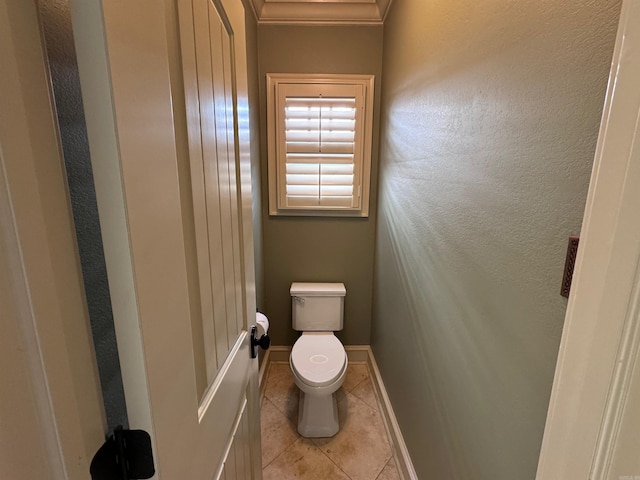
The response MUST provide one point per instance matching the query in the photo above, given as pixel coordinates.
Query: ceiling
(321, 12)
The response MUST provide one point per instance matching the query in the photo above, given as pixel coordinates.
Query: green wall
(490, 115)
(313, 249)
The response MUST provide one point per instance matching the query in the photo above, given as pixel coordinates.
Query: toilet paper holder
(263, 342)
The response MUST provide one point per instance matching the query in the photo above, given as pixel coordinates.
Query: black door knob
(263, 342)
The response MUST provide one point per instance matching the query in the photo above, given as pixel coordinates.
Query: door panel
(216, 159)
(205, 427)
(220, 281)
(236, 463)
(226, 157)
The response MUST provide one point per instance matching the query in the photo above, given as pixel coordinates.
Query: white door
(165, 92)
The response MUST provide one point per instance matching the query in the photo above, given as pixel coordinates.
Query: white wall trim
(281, 84)
(359, 354)
(400, 450)
(620, 388)
(17, 306)
(277, 354)
(321, 12)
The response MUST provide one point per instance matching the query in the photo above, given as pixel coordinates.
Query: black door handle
(263, 342)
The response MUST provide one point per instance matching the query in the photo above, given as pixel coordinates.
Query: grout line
(330, 459)
(298, 437)
(337, 466)
(385, 466)
(280, 454)
(368, 377)
(357, 384)
(377, 406)
(283, 413)
(385, 429)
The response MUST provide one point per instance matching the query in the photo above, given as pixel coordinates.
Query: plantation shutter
(320, 146)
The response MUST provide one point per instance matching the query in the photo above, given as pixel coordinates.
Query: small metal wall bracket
(126, 455)
(263, 342)
(569, 265)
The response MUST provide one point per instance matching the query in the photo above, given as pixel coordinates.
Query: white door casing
(182, 332)
(51, 413)
(593, 424)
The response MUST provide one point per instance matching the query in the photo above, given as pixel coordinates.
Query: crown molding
(321, 12)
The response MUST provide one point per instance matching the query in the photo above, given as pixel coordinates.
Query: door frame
(601, 336)
(60, 421)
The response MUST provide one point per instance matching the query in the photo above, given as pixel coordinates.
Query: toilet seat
(318, 359)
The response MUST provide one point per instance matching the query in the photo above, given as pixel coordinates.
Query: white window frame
(279, 83)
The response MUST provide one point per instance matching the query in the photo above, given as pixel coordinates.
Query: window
(319, 130)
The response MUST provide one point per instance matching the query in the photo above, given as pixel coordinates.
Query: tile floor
(359, 451)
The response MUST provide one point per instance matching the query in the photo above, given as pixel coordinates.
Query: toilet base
(317, 416)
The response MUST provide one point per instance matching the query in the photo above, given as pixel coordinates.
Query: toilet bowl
(319, 365)
(318, 360)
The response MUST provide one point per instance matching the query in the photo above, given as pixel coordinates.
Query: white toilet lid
(318, 359)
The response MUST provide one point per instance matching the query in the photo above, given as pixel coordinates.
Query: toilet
(318, 360)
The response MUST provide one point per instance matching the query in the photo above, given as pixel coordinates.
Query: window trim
(274, 80)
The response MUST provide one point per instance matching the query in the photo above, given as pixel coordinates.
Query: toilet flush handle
(299, 299)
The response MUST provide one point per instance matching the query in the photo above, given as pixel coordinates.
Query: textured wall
(314, 249)
(490, 114)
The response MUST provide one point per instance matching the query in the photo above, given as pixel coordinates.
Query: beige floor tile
(364, 391)
(360, 448)
(356, 373)
(389, 472)
(303, 460)
(282, 390)
(276, 430)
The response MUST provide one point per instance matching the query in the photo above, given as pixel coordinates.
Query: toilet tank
(317, 306)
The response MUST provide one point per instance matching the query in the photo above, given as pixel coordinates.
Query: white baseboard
(359, 354)
(262, 374)
(278, 354)
(400, 451)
